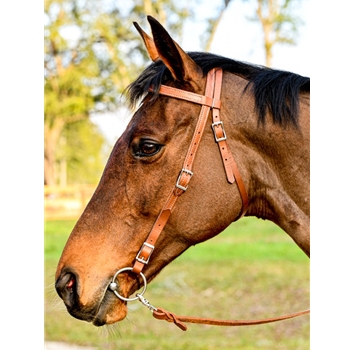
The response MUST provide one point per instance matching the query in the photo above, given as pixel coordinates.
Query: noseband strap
(211, 100)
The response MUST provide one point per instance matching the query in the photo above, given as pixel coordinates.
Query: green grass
(251, 270)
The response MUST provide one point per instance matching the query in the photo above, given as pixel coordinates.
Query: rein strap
(161, 314)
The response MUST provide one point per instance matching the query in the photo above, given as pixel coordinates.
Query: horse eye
(147, 149)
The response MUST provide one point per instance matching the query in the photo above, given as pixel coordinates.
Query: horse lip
(86, 315)
(95, 314)
(108, 300)
(98, 314)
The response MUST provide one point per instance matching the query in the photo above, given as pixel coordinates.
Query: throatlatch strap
(231, 169)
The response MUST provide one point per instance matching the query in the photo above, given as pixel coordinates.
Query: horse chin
(111, 310)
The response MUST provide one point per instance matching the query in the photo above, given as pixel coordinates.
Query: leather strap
(186, 173)
(190, 96)
(232, 172)
(211, 100)
(180, 321)
(231, 169)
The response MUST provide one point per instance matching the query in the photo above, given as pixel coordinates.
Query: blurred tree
(84, 151)
(279, 24)
(213, 24)
(91, 55)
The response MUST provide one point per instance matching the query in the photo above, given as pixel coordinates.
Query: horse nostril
(70, 285)
(66, 286)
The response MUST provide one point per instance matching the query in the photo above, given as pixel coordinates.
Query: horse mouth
(102, 306)
(103, 310)
(111, 310)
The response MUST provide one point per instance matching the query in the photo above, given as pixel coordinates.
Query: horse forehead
(162, 115)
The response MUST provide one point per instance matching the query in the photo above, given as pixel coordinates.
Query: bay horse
(255, 164)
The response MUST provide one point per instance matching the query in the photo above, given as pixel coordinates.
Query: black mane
(275, 90)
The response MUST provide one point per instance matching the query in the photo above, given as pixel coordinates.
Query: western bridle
(209, 101)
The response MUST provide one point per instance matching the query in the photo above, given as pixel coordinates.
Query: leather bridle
(209, 101)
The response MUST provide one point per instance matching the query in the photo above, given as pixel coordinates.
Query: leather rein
(209, 101)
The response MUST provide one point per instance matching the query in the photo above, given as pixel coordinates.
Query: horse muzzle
(100, 309)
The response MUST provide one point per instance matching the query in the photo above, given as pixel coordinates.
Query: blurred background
(92, 53)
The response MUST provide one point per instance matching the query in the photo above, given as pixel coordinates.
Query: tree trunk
(51, 137)
(266, 21)
(216, 23)
(268, 45)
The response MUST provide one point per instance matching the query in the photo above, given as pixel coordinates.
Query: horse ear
(181, 65)
(151, 48)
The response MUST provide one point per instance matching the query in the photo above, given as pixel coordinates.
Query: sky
(237, 37)
(240, 38)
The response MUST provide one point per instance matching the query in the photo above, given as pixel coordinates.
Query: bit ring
(113, 285)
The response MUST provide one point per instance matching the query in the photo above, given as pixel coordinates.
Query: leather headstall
(209, 101)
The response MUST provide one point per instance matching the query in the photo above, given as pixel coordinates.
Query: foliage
(71, 68)
(91, 56)
(279, 23)
(277, 18)
(251, 270)
(85, 156)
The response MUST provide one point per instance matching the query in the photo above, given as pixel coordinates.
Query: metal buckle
(179, 178)
(142, 260)
(213, 126)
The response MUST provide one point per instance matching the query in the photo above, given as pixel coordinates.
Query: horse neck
(274, 161)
